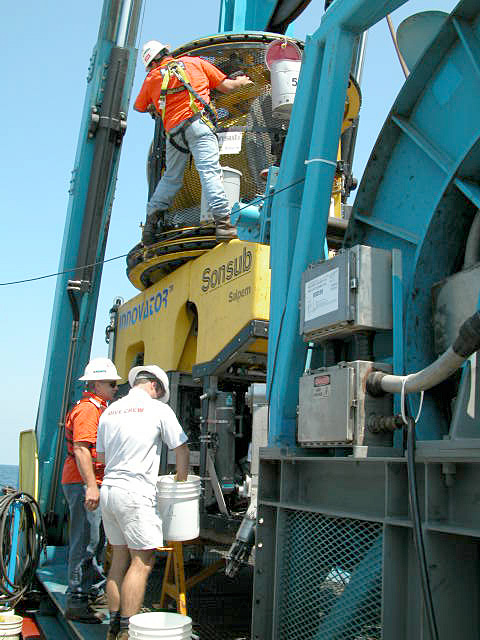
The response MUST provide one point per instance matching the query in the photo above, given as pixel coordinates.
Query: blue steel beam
(245, 15)
(117, 34)
(300, 214)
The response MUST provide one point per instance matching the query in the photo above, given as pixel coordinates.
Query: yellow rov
(190, 315)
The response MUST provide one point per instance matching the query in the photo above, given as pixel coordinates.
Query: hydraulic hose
(417, 530)
(466, 343)
(31, 542)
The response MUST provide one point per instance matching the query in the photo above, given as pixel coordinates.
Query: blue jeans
(203, 145)
(86, 545)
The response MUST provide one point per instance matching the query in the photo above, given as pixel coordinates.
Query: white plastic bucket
(160, 624)
(284, 79)
(10, 626)
(178, 507)
(231, 184)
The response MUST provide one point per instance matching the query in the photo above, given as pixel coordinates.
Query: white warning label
(321, 295)
(230, 142)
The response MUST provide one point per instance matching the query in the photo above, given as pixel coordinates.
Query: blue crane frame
(86, 227)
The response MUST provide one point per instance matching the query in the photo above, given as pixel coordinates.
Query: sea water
(8, 475)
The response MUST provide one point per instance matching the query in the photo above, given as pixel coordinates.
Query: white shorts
(130, 519)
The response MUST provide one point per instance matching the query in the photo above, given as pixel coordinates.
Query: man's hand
(229, 84)
(92, 498)
(243, 81)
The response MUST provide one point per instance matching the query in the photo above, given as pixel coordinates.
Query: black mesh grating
(331, 579)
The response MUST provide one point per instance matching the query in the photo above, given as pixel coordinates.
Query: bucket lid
(138, 633)
(160, 620)
(281, 50)
(10, 619)
(170, 480)
(232, 170)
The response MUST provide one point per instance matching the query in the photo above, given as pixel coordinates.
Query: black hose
(417, 530)
(31, 541)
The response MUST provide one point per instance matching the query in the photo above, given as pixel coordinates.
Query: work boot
(153, 225)
(122, 634)
(111, 635)
(98, 602)
(224, 230)
(84, 614)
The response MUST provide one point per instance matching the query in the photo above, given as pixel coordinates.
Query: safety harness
(176, 69)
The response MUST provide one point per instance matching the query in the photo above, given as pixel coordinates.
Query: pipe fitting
(374, 384)
(468, 339)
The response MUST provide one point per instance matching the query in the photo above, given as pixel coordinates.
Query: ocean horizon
(9, 475)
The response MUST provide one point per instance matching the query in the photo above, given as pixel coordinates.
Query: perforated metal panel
(330, 583)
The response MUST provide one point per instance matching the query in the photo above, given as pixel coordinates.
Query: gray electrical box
(348, 293)
(335, 410)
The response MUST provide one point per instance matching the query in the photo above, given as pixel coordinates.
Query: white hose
(427, 378)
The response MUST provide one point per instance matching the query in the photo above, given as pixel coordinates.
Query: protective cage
(247, 128)
(246, 111)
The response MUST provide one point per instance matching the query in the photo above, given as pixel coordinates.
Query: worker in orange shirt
(82, 475)
(179, 91)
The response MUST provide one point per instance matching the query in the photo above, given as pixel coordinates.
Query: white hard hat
(157, 372)
(100, 369)
(151, 49)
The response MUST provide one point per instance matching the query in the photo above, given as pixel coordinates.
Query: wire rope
(124, 255)
(31, 541)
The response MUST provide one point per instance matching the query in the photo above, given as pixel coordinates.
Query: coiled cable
(31, 541)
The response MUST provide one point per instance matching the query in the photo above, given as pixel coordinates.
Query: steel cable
(31, 541)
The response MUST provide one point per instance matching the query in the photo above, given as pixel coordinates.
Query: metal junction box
(348, 293)
(335, 410)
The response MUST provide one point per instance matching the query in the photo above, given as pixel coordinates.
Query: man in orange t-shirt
(82, 475)
(184, 115)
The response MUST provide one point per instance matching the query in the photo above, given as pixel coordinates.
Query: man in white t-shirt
(129, 440)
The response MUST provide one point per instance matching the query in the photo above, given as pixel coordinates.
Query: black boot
(224, 229)
(83, 612)
(152, 227)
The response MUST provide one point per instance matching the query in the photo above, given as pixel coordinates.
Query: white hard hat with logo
(100, 369)
(151, 49)
(150, 370)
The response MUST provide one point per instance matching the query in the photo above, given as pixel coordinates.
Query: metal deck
(220, 607)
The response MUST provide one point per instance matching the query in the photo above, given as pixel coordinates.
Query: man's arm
(83, 458)
(229, 84)
(182, 456)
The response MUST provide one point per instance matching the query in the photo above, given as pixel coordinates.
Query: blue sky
(46, 51)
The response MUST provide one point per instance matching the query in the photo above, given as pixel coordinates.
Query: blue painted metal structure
(109, 82)
(419, 192)
(299, 222)
(245, 15)
(415, 196)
